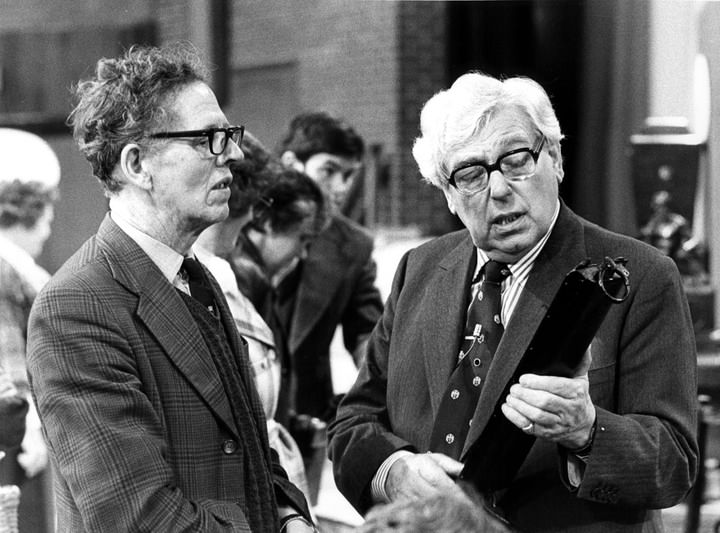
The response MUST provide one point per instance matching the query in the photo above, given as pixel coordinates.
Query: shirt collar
(166, 259)
(529, 258)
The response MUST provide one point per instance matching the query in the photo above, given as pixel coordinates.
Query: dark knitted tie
(198, 283)
(483, 330)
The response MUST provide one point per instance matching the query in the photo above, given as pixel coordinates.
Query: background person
(29, 179)
(285, 223)
(143, 385)
(13, 408)
(615, 442)
(335, 284)
(214, 248)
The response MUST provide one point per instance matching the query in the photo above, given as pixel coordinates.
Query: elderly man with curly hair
(143, 385)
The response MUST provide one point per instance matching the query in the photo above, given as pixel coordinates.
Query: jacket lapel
(320, 278)
(447, 296)
(563, 251)
(163, 311)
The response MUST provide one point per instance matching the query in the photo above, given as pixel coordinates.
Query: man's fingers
(584, 363)
(448, 464)
(422, 475)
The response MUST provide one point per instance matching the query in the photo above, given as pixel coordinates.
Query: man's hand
(34, 455)
(298, 524)
(554, 408)
(421, 475)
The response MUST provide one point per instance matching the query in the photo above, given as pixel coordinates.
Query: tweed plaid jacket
(139, 426)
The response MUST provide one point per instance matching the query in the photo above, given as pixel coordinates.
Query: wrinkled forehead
(194, 106)
(497, 130)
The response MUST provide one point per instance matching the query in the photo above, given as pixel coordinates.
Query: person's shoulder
(449, 247)
(351, 230)
(442, 244)
(612, 242)
(645, 263)
(89, 267)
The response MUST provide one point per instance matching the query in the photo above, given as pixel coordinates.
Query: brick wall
(343, 51)
(422, 72)
(372, 62)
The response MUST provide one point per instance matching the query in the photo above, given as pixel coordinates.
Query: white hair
(452, 117)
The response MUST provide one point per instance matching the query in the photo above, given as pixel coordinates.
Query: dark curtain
(592, 58)
(613, 105)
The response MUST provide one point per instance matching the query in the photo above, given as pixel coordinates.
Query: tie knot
(496, 272)
(193, 268)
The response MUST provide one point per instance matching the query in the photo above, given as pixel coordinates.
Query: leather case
(574, 316)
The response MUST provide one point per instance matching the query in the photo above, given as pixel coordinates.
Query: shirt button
(449, 438)
(477, 381)
(477, 362)
(229, 447)
(496, 318)
(455, 394)
(480, 296)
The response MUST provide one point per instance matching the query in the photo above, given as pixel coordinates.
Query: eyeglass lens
(512, 166)
(220, 139)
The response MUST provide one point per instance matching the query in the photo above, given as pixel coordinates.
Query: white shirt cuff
(377, 486)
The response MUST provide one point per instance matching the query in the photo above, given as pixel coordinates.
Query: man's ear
(557, 163)
(290, 160)
(449, 199)
(132, 167)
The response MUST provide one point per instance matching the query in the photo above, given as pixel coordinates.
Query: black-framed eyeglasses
(515, 165)
(217, 137)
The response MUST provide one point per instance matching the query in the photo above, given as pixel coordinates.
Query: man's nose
(232, 152)
(498, 184)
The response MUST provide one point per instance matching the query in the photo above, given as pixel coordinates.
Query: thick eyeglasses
(515, 165)
(217, 137)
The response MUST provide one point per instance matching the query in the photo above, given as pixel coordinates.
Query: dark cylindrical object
(574, 316)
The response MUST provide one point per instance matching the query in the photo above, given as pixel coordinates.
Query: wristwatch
(583, 452)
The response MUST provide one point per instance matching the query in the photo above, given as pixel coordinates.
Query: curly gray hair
(126, 98)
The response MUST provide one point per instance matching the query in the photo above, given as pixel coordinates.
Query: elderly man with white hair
(611, 443)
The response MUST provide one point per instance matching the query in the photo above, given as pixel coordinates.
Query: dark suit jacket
(642, 382)
(139, 426)
(337, 286)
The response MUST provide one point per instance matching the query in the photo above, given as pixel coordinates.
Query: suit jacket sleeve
(645, 450)
(95, 409)
(360, 436)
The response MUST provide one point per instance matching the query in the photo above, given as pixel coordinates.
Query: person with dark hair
(286, 221)
(328, 150)
(218, 245)
(29, 181)
(335, 284)
(142, 382)
(596, 444)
